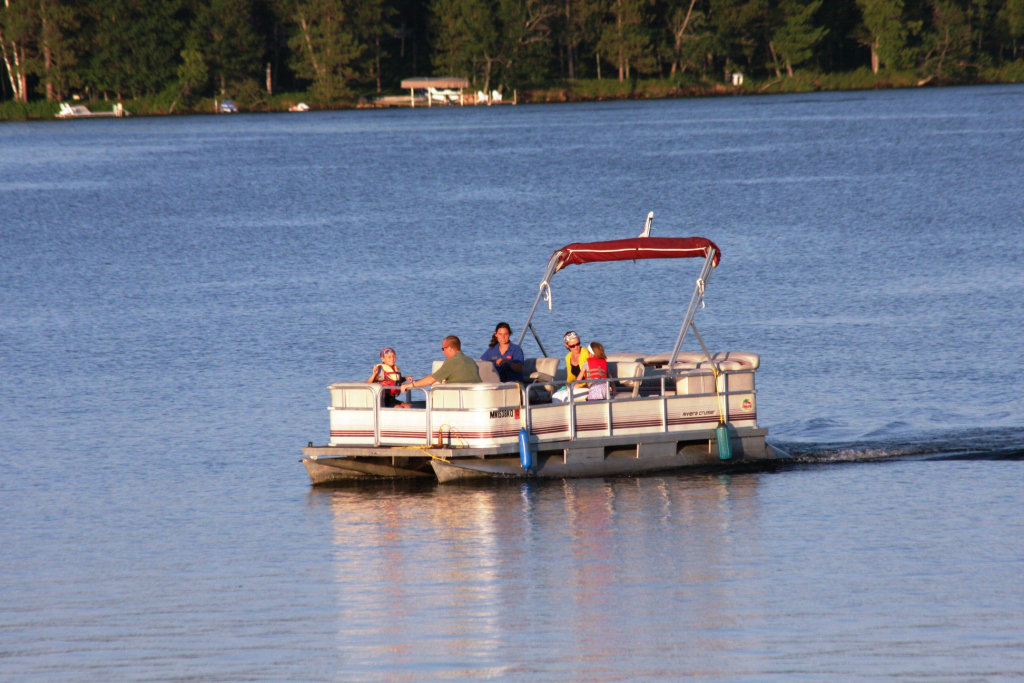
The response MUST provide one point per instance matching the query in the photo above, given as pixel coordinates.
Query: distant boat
(227, 107)
(80, 111)
(301, 106)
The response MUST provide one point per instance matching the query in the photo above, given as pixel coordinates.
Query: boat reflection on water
(425, 573)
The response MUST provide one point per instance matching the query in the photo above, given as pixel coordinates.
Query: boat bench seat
(695, 360)
(541, 370)
(628, 373)
(540, 374)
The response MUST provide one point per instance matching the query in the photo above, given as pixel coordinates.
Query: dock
(440, 91)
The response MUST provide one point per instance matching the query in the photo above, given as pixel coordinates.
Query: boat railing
(469, 403)
(469, 411)
(358, 397)
(489, 414)
(671, 391)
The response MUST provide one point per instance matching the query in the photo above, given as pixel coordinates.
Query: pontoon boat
(666, 411)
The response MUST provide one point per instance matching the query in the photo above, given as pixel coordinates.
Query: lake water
(176, 294)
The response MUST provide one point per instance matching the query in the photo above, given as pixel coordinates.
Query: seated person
(386, 373)
(596, 368)
(507, 357)
(457, 367)
(575, 361)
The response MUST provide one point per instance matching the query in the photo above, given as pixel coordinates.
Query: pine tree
(1010, 23)
(57, 24)
(626, 39)
(465, 39)
(947, 45)
(793, 42)
(227, 39)
(524, 28)
(193, 76)
(885, 32)
(324, 46)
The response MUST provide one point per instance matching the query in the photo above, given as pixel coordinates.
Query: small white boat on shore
(80, 111)
(666, 411)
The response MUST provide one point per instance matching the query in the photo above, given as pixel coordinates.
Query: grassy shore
(581, 90)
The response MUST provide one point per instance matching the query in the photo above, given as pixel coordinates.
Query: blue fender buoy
(525, 452)
(724, 447)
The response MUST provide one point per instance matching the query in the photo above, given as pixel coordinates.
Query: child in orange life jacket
(596, 369)
(386, 372)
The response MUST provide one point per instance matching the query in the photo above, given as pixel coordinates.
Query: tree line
(331, 49)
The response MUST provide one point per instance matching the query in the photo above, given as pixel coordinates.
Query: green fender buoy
(724, 446)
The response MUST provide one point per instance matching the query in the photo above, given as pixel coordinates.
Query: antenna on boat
(647, 225)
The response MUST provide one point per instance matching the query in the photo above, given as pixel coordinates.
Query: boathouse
(439, 89)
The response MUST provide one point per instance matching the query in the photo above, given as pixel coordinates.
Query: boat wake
(899, 443)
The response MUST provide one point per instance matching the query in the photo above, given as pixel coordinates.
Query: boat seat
(693, 360)
(540, 376)
(629, 374)
(541, 370)
(488, 373)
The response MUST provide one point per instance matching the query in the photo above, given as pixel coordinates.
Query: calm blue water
(176, 293)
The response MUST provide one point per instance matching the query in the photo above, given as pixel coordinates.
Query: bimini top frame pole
(544, 292)
(632, 249)
(691, 310)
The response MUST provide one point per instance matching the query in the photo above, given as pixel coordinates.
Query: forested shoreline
(172, 56)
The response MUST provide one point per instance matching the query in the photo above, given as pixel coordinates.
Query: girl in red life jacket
(386, 373)
(596, 369)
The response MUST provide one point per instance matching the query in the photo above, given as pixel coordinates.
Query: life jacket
(390, 378)
(597, 368)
